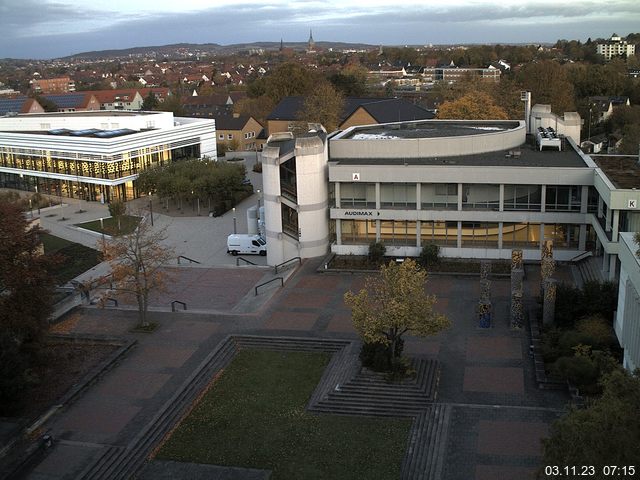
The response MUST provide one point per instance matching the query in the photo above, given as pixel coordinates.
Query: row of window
(472, 234)
(445, 196)
(247, 136)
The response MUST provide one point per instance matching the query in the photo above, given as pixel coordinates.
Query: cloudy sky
(54, 28)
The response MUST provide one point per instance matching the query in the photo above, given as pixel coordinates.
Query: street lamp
(150, 209)
(258, 202)
(234, 221)
(102, 228)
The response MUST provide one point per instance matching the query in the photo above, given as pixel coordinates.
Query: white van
(244, 243)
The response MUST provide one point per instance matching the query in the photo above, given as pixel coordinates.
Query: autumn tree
(549, 84)
(117, 210)
(286, 80)
(137, 261)
(607, 432)
(324, 105)
(394, 303)
(472, 106)
(26, 289)
(150, 102)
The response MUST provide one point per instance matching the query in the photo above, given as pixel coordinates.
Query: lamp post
(38, 198)
(102, 228)
(589, 137)
(258, 191)
(30, 208)
(234, 221)
(150, 209)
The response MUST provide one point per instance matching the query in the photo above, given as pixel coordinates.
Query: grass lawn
(128, 224)
(76, 258)
(253, 416)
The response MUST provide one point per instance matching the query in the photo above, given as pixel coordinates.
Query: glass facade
(398, 232)
(562, 198)
(398, 195)
(441, 233)
(480, 197)
(358, 195)
(288, 186)
(477, 235)
(522, 197)
(521, 235)
(439, 196)
(358, 231)
(290, 221)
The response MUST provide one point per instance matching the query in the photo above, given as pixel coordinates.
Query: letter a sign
(355, 177)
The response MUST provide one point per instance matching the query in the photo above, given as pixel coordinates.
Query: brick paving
(498, 416)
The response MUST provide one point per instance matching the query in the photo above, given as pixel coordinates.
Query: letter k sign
(632, 204)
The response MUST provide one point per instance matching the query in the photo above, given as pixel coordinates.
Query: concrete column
(460, 186)
(501, 203)
(612, 267)
(541, 235)
(378, 229)
(378, 202)
(336, 192)
(338, 231)
(582, 240)
(607, 222)
(418, 196)
(605, 262)
(543, 198)
(584, 198)
(500, 224)
(600, 202)
(459, 234)
(615, 225)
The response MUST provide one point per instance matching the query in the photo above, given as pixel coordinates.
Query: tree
(150, 102)
(394, 303)
(117, 209)
(324, 105)
(472, 106)
(136, 264)
(549, 83)
(26, 289)
(605, 433)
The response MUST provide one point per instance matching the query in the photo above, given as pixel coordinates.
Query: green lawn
(128, 224)
(254, 417)
(76, 258)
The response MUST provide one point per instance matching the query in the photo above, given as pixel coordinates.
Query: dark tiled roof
(67, 100)
(384, 110)
(229, 122)
(12, 104)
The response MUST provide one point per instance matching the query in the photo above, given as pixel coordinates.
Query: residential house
(121, 99)
(53, 85)
(601, 107)
(239, 132)
(357, 111)
(615, 47)
(74, 102)
(20, 104)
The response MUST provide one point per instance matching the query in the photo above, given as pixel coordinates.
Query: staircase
(588, 269)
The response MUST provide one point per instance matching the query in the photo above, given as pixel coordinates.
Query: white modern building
(627, 322)
(615, 47)
(96, 155)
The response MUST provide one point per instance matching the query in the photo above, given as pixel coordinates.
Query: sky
(43, 29)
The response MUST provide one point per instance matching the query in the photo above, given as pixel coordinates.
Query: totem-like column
(549, 301)
(517, 277)
(484, 304)
(547, 264)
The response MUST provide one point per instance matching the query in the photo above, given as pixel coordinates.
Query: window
(358, 231)
(563, 198)
(288, 184)
(442, 196)
(290, 221)
(521, 235)
(398, 195)
(480, 234)
(358, 195)
(230, 136)
(522, 197)
(441, 233)
(480, 197)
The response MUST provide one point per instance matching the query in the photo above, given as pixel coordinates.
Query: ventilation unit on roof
(547, 137)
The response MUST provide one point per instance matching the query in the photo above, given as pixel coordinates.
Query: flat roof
(90, 113)
(529, 156)
(622, 170)
(428, 129)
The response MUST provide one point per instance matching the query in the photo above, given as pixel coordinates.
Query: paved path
(498, 414)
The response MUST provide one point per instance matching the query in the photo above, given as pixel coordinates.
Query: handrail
(173, 305)
(272, 280)
(287, 261)
(111, 299)
(187, 258)
(244, 260)
(581, 256)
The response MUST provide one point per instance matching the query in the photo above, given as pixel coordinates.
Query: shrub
(377, 356)
(595, 331)
(429, 255)
(257, 167)
(595, 298)
(377, 251)
(581, 371)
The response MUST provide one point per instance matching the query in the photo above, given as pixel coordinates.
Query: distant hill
(184, 49)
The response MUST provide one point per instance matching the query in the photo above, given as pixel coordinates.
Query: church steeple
(312, 44)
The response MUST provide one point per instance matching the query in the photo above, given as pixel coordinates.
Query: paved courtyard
(498, 413)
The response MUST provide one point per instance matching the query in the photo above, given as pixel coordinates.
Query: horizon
(41, 30)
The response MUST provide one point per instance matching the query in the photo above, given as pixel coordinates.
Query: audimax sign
(361, 213)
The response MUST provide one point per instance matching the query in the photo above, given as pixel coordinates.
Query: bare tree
(136, 263)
